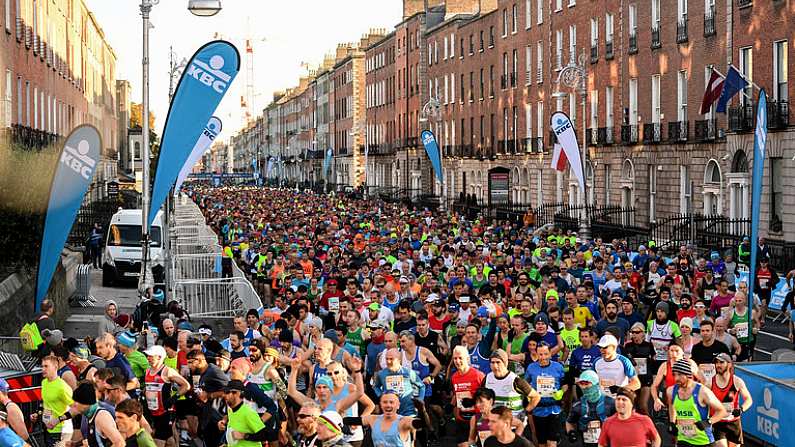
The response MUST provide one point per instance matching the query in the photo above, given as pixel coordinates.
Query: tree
(136, 109)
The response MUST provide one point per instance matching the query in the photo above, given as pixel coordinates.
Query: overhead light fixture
(204, 8)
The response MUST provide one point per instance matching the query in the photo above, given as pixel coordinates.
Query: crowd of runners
(388, 326)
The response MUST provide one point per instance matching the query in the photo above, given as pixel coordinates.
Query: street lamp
(204, 8)
(574, 76)
(431, 111)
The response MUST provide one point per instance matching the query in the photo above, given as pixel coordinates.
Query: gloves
(703, 425)
(737, 412)
(614, 389)
(557, 395)
(572, 435)
(672, 429)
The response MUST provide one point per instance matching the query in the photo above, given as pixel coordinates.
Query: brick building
(492, 65)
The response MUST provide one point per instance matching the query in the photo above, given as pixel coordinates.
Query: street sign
(113, 189)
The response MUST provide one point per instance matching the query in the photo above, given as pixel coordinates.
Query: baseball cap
(464, 299)
(331, 420)
(499, 354)
(432, 298)
(156, 350)
(453, 307)
(607, 340)
(235, 385)
(374, 306)
(205, 331)
(723, 357)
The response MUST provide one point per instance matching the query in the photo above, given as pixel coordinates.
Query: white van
(122, 257)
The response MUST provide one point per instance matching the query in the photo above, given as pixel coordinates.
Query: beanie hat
(500, 354)
(85, 394)
(123, 320)
(325, 380)
(126, 339)
(53, 337)
(682, 366)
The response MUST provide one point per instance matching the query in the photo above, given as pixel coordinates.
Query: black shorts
(730, 431)
(461, 431)
(687, 444)
(547, 428)
(162, 427)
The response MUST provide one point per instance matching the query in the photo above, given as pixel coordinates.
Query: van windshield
(130, 236)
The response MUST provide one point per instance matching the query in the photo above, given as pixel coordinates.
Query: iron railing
(605, 136)
(778, 114)
(709, 22)
(678, 131)
(681, 30)
(633, 42)
(655, 37)
(629, 134)
(744, 3)
(706, 130)
(591, 136)
(742, 117)
(652, 132)
(594, 52)
(609, 49)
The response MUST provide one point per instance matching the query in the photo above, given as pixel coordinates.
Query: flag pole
(750, 82)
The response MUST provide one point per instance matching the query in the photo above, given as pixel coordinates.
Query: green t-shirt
(138, 363)
(57, 396)
(144, 439)
(243, 420)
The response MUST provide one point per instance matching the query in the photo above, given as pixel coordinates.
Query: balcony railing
(777, 114)
(744, 3)
(513, 80)
(706, 130)
(709, 22)
(503, 82)
(629, 134)
(655, 37)
(652, 132)
(605, 136)
(609, 49)
(594, 52)
(678, 131)
(741, 117)
(633, 42)
(534, 144)
(681, 30)
(591, 135)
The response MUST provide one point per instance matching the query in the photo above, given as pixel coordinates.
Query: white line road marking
(767, 353)
(774, 335)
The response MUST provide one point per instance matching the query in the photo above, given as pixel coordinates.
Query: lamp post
(574, 76)
(431, 112)
(199, 8)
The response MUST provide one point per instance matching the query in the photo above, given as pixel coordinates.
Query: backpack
(30, 337)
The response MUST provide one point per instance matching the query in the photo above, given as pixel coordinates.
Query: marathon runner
(729, 390)
(692, 409)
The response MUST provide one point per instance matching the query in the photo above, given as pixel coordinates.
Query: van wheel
(107, 278)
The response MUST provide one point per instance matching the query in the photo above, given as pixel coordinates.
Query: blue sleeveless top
(388, 438)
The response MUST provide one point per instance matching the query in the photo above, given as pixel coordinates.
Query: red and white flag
(712, 92)
(559, 160)
(568, 148)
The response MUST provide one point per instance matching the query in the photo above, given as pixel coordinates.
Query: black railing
(655, 37)
(629, 134)
(744, 3)
(594, 53)
(590, 135)
(605, 136)
(513, 79)
(741, 117)
(706, 232)
(609, 49)
(681, 30)
(709, 22)
(777, 114)
(652, 133)
(706, 130)
(608, 222)
(503, 82)
(29, 138)
(678, 131)
(633, 43)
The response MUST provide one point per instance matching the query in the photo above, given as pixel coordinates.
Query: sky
(285, 35)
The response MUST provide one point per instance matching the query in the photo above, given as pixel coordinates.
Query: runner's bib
(334, 304)
(660, 349)
(708, 370)
(687, 428)
(395, 383)
(742, 330)
(483, 435)
(592, 432)
(546, 386)
(641, 367)
(606, 384)
(459, 398)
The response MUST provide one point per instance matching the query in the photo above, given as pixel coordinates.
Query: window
(572, 3)
(539, 62)
(655, 99)
(573, 110)
(504, 130)
(461, 49)
(780, 71)
(608, 28)
(707, 75)
(559, 49)
(504, 80)
(463, 93)
(609, 108)
(633, 19)
(35, 107)
(452, 87)
(491, 36)
(681, 10)
(573, 43)
(471, 44)
(652, 193)
(655, 13)
(747, 70)
(558, 5)
(504, 22)
(471, 86)
(482, 42)
(446, 86)
(435, 52)
(482, 83)
(776, 193)
(681, 100)
(528, 122)
(540, 11)
(528, 59)
(8, 15)
(540, 119)
(633, 102)
(515, 68)
(528, 17)
(685, 189)
(491, 81)
(607, 184)
(445, 47)
(514, 19)
(19, 100)
(594, 32)
(594, 109)
(452, 45)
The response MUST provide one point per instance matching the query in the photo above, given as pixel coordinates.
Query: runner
(158, 380)
(589, 413)
(729, 389)
(466, 382)
(614, 369)
(692, 408)
(509, 389)
(56, 397)
(502, 434)
(14, 419)
(626, 427)
(641, 353)
(391, 429)
(546, 376)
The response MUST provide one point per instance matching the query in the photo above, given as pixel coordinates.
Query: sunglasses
(303, 416)
(700, 306)
(335, 373)
(637, 332)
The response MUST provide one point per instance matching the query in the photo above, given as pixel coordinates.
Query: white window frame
(504, 23)
(573, 43)
(573, 109)
(685, 189)
(594, 109)
(514, 19)
(528, 13)
(539, 12)
(594, 31)
(609, 114)
(539, 62)
(8, 15)
(746, 62)
(528, 122)
(633, 101)
(572, 3)
(681, 97)
(655, 13)
(778, 65)
(540, 119)
(558, 5)
(656, 111)
(445, 48)
(633, 19)
(528, 56)
(609, 28)
(452, 88)
(681, 10)
(652, 193)
(559, 49)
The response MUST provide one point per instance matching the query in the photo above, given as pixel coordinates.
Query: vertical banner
(567, 138)
(434, 153)
(202, 86)
(760, 143)
(76, 166)
(207, 137)
(327, 163)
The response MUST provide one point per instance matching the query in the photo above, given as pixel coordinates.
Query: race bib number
(47, 418)
(687, 428)
(592, 432)
(152, 402)
(742, 330)
(660, 350)
(334, 304)
(483, 435)
(641, 367)
(395, 383)
(708, 370)
(459, 398)
(546, 386)
(729, 406)
(763, 283)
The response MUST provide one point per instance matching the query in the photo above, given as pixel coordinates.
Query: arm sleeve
(521, 385)
(260, 436)
(485, 344)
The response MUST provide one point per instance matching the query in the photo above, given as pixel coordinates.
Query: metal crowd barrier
(197, 266)
(221, 297)
(82, 296)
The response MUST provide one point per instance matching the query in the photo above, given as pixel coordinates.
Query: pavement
(84, 321)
